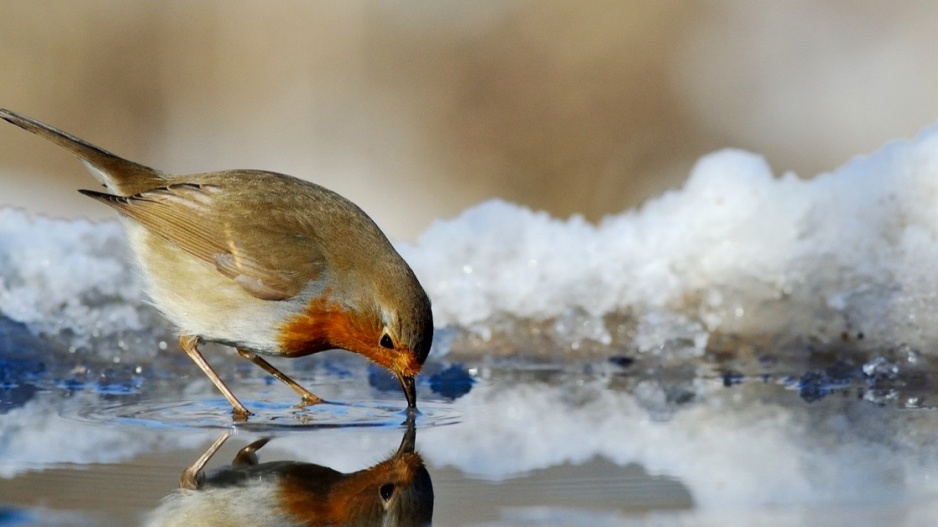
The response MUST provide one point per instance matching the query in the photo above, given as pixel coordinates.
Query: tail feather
(123, 177)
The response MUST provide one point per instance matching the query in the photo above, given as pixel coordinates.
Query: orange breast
(324, 326)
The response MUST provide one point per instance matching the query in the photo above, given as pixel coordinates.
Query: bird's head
(390, 325)
(404, 334)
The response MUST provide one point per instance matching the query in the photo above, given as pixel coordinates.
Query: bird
(263, 262)
(396, 491)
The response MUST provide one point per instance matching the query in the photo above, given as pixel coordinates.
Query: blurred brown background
(416, 110)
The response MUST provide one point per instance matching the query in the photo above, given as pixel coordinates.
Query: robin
(397, 491)
(263, 262)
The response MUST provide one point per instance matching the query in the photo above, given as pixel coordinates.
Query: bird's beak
(409, 441)
(410, 390)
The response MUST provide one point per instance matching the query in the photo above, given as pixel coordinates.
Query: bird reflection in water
(397, 491)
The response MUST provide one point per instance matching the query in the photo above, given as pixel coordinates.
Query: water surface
(806, 438)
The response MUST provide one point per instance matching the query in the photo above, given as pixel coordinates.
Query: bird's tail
(120, 176)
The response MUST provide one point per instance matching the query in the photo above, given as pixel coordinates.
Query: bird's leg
(190, 477)
(189, 344)
(308, 396)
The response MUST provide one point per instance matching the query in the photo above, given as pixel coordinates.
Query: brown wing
(247, 248)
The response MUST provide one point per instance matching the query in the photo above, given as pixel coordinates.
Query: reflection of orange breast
(313, 498)
(324, 326)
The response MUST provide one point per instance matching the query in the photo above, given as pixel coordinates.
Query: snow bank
(736, 249)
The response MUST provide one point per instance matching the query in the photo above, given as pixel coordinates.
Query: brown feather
(199, 219)
(120, 175)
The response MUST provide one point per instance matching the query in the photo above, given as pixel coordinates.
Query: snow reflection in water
(758, 443)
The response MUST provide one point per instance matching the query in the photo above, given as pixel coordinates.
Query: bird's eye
(386, 342)
(386, 491)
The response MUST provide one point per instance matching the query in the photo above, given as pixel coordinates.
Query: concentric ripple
(267, 416)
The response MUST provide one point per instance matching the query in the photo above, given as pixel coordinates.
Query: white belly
(202, 302)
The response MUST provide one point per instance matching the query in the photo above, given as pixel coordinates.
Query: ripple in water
(216, 413)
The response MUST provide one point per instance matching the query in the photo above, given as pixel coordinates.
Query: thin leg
(308, 396)
(189, 345)
(190, 477)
